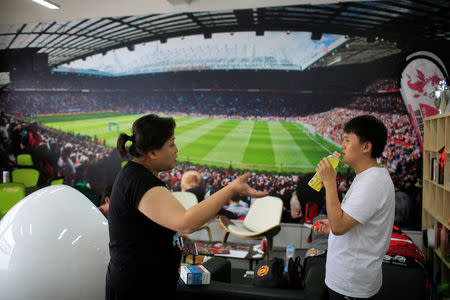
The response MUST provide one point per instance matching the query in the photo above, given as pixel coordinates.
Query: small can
(6, 177)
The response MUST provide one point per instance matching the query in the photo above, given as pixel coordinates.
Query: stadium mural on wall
(277, 124)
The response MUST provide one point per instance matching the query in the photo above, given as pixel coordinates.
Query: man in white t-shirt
(360, 228)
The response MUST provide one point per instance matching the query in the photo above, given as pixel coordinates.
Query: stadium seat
(10, 194)
(29, 177)
(262, 221)
(57, 180)
(24, 160)
(188, 199)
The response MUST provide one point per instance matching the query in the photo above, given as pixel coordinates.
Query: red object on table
(263, 245)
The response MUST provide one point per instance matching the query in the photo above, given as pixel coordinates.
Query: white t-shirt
(354, 259)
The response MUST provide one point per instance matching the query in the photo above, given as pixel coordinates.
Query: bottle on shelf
(315, 182)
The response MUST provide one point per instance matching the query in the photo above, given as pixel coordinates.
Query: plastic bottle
(315, 182)
(290, 253)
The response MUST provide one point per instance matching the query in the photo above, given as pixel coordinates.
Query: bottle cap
(336, 154)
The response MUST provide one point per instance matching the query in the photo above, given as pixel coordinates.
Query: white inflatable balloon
(53, 245)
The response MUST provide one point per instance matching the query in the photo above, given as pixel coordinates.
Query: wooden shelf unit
(435, 196)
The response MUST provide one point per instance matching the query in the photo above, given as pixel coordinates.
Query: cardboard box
(195, 275)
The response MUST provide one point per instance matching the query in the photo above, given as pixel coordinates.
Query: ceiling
(86, 30)
(27, 11)
(358, 51)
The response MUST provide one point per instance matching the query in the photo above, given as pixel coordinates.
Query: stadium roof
(404, 22)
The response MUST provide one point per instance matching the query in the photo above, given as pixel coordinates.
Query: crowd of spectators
(216, 178)
(379, 85)
(62, 81)
(384, 103)
(37, 103)
(402, 138)
(238, 105)
(223, 80)
(55, 154)
(280, 185)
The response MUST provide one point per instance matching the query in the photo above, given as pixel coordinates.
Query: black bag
(295, 272)
(270, 273)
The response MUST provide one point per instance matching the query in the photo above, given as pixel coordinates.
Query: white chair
(188, 199)
(262, 221)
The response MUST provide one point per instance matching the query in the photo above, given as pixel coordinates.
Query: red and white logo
(422, 85)
(419, 80)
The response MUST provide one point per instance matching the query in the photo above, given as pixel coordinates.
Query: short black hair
(369, 129)
(106, 193)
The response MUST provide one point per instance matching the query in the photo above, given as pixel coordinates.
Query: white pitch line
(249, 133)
(328, 150)
(300, 149)
(283, 152)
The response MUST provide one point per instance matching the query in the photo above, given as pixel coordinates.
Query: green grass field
(253, 145)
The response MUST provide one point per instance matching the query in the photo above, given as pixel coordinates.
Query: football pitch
(243, 144)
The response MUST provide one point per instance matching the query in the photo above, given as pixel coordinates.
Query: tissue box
(192, 275)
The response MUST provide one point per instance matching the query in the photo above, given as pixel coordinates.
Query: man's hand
(326, 172)
(323, 227)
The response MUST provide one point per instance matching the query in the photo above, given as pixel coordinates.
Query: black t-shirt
(142, 253)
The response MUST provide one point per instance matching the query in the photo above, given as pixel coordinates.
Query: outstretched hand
(241, 187)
